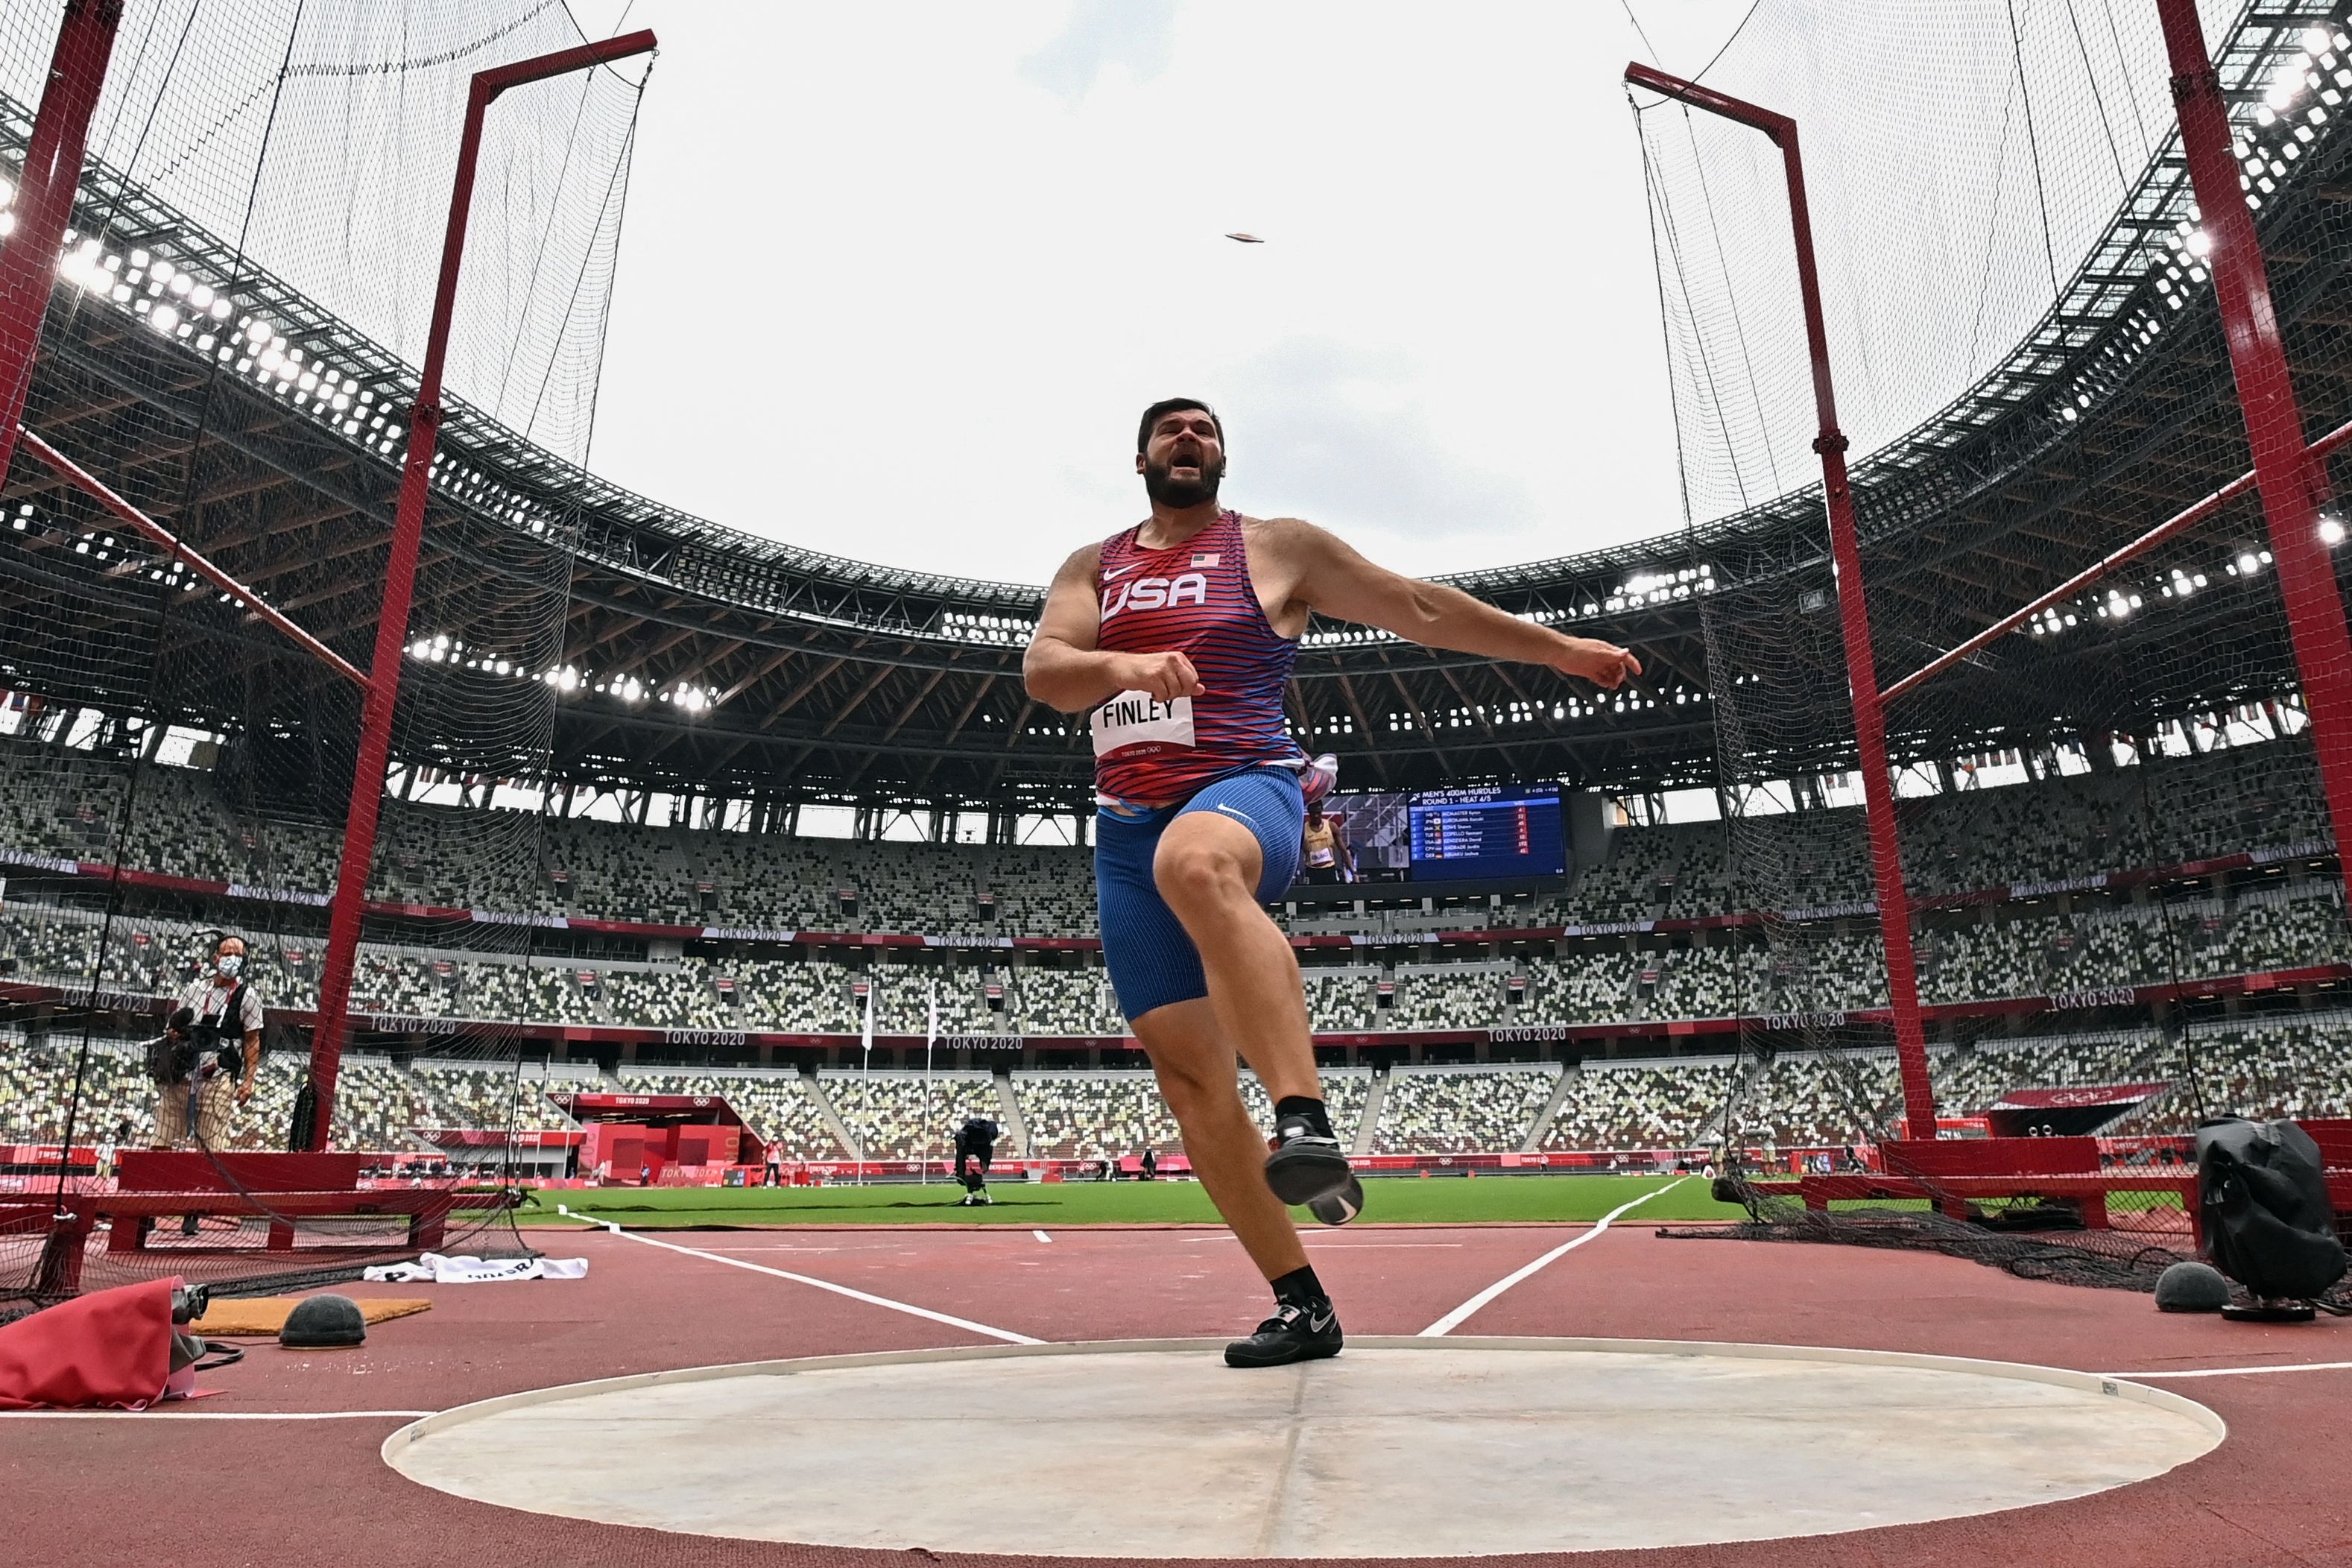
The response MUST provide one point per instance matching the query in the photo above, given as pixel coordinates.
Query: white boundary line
(1007, 1335)
(1454, 1318)
(150, 1414)
(1041, 1236)
(2239, 1371)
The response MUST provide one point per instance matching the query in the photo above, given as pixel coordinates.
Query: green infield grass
(1447, 1200)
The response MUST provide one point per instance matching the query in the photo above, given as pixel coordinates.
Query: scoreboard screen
(1488, 831)
(1374, 826)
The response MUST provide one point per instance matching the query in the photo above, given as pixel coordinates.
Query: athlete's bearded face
(1184, 462)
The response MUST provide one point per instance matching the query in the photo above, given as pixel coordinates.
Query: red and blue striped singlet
(1195, 599)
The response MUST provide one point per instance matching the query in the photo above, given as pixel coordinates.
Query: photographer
(975, 1145)
(210, 1053)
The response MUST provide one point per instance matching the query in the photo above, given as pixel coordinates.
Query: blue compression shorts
(1151, 961)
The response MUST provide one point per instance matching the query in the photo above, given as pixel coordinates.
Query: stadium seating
(2298, 1067)
(494, 1096)
(1448, 996)
(1817, 955)
(1639, 1105)
(1445, 1110)
(1094, 1115)
(2267, 1067)
(60, 802)
(1785, 968)
(911, 1115)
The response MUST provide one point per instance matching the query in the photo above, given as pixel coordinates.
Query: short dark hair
(1151, 417)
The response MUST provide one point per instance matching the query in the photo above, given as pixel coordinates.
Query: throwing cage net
(193, 563)
(2126, 909)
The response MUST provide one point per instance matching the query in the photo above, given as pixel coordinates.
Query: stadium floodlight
(2331, 531)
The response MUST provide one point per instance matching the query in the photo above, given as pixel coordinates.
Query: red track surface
(280, 1493)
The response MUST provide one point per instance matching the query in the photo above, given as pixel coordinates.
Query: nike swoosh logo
(1321, 1324)
(1110, 572)
(1229, 810)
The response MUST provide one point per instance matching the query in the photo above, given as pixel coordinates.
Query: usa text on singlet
(1196, 599)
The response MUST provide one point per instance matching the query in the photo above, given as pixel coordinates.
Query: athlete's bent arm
(1334, 579)
(1064, 668)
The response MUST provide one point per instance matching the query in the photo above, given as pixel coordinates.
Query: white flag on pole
(866, 1040)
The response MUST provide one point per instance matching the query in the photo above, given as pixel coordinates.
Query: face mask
(228, 963)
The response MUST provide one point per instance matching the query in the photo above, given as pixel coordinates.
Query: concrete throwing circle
(1399, 1447)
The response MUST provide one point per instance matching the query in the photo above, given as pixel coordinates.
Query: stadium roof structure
(700, 658)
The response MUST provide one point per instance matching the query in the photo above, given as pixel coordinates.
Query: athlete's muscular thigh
(1206, 860)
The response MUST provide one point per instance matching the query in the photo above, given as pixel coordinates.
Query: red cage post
(45, 198)
(400, 570)
(1854, 614)
(2285, 467)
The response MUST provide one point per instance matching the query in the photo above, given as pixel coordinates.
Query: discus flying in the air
(1246, 238)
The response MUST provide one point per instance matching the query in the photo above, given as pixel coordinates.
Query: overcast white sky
(896, 281)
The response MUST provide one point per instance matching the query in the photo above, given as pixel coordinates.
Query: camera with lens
(203, 1032)
(189, 1302)
(173, 1055)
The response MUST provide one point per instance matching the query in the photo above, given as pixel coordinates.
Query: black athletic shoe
(1306, 1166)
(1292, 1334)
(1340, 1206)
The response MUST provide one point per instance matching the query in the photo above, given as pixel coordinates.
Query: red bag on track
(110, 1350)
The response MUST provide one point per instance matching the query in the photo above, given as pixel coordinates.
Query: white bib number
(1134, 718)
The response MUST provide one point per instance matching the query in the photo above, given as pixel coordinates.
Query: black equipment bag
(2262, 1191)
(172, 1056)
(304, 1120)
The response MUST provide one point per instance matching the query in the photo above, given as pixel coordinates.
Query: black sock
(1318, 1121)
(1299, 1287)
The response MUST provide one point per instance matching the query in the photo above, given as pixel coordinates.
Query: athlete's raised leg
(1195, 1061)
(1210, 868)
(1207, 867)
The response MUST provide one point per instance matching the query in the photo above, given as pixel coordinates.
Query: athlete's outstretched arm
(1064, 668)
(1334, 579)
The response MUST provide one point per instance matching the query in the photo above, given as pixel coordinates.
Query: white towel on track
(442, 1270)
